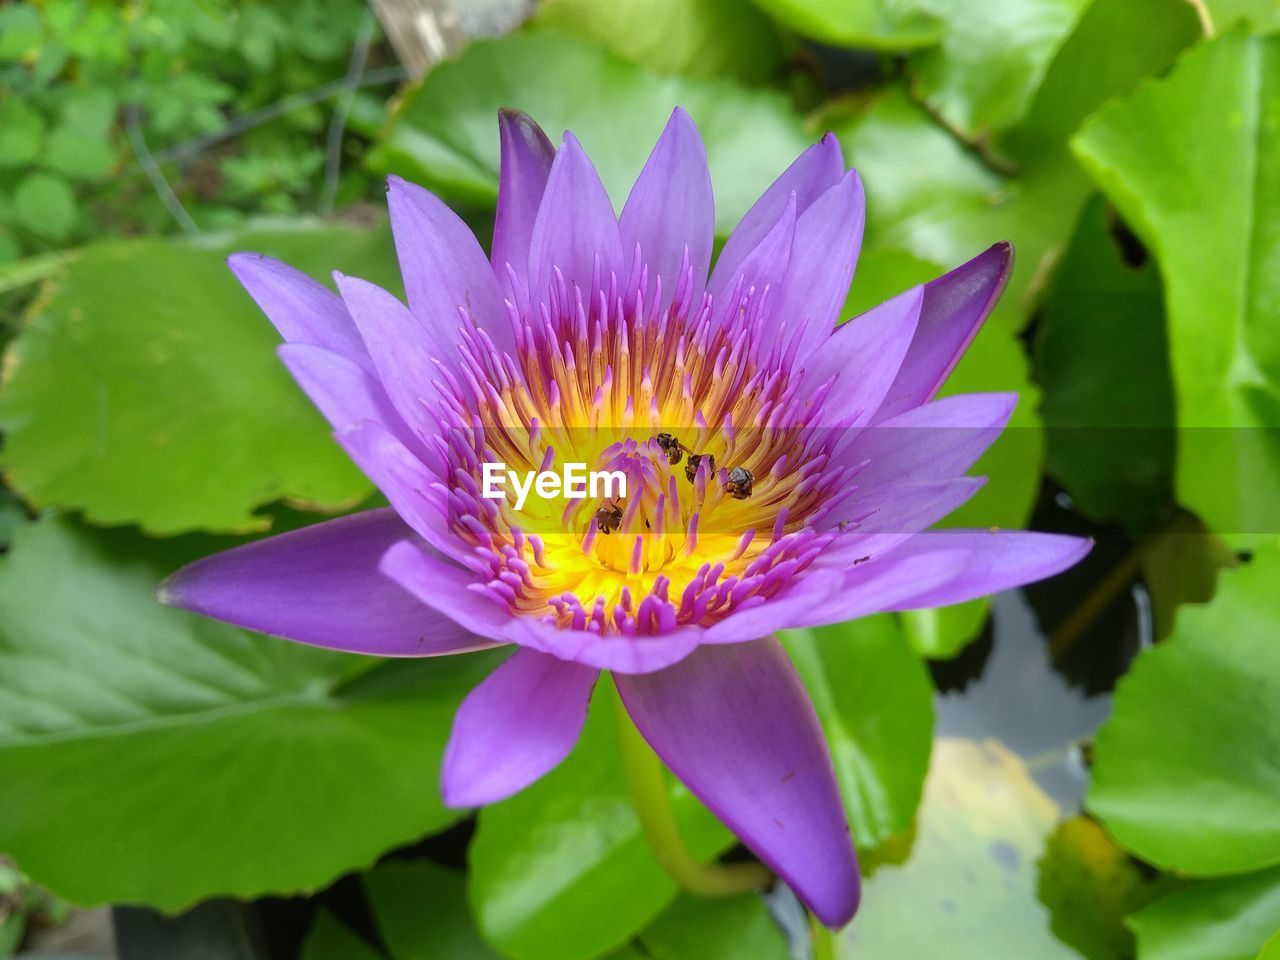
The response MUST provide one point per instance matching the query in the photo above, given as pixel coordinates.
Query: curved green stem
(822, 939)
(649, 790)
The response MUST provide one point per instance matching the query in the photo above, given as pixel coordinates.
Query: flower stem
(652, 798)
(822, 940)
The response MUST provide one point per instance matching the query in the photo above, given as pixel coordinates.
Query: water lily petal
(994, 561)
(443, 267)
(514, 727)
(526, 161)
(955, 305)
(735, 725)
(814, 172)
(575, 227)
(404, 350)
(764, 268)
(828, 238)
(321, 585)
(345, 393)
(303, 310)
(863, 357)
(671, 210)
(940, 439)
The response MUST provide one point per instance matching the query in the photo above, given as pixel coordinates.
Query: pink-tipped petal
(321, 585)
(671, 209)
(735, 724)
(443, 267)
(955, 305)
(814, 172)
(514, 727)
(575, 227)
(526, 161)
(303, 310)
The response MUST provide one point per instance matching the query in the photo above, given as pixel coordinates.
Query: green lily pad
(698, 38)
(148, 755)
(330, 939)
(992, 58)
(1227, 919)
(445, 133)
(715, 928)
(1103, 363)
(1090, 885)
(144, 386)
(1189, 162)
(561, 870)
(939, 200)
(1186, 773)
(422, 913)
(875, 24)
(967, 889)
(880, 734)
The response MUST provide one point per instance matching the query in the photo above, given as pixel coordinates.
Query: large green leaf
(1103, 363)
(148, 755)
(878, 24)
(930, 195)
(1090, 885)
(562, 870)
(422, 913)
(1187, 771)
(981, 78)
(879, 733)
(967, 888)
(445, 133)
(700, 38)
(1227, 919)
(330, 939)
(715, 928)
(1190, 162)
(145, 388)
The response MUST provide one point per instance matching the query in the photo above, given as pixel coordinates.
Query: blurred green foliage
(1130, 149)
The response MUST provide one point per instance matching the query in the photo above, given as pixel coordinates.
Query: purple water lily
(610, 341)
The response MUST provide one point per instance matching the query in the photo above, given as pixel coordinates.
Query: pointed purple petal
(575, 226)
(994, 561)
(813, 173)
(445, 587)
(671, 208)
(735, 725)
(303, 310)
(955, 305)
(864, 356)
(443, 266)
(320, 585)
(514, 727)
(765, 267)
(907, 507)
(402, 347)
(828, 238)
(345, 393)
(413, 491)
(527, 155)
(940, 439)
